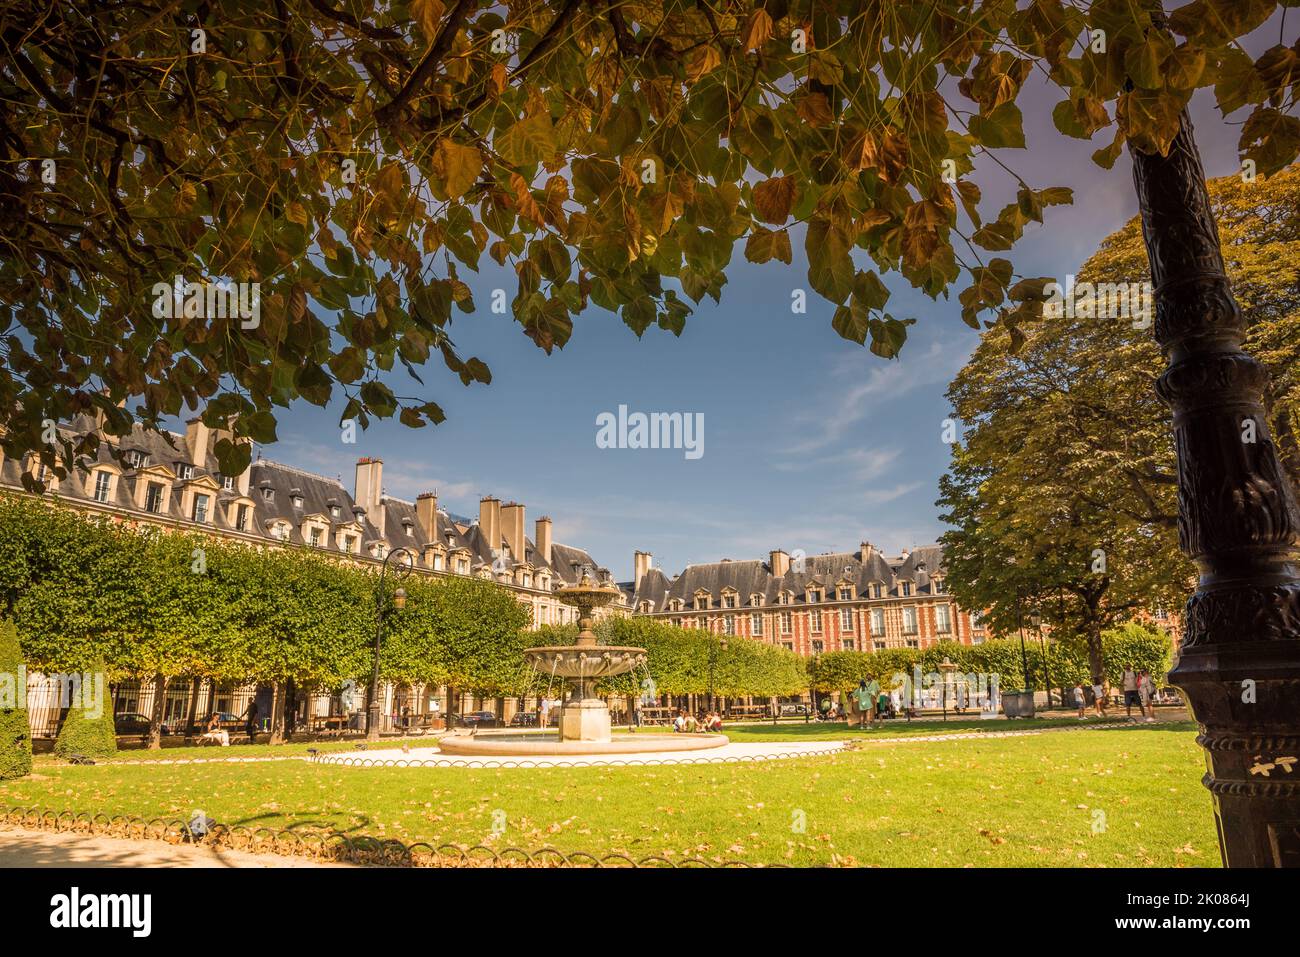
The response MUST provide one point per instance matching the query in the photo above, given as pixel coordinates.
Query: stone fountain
(583, 716)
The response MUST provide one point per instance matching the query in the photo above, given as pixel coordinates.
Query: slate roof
(755, 577)
(273, 488)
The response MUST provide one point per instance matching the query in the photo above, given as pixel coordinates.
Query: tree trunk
(277, 713)
(192, 712)
(1239, 664)
(1092, 635)
(156, 718)
(451, 707)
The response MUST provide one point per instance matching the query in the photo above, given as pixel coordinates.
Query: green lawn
(1120, 797)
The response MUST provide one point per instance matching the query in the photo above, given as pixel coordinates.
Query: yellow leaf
(703, 61)
(427, 14)
(758, 30)
(457, 166)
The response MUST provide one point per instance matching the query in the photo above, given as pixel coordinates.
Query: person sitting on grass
(679, 722)
(691, 724)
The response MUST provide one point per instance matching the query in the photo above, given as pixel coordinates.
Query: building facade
(841, 601)
(173, 481)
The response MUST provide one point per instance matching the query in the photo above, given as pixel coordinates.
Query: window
(877, 621)
(906, 589)
(846, 619)
(527, 580)
(815, 620)
(102, 482)
(153, 497)
(876, 590)
(817, 646)
(848, 644)
(280, 531)
(909, 621)
(729, 624)
(677, 622)
(137, 459)
(313, 536)
(241, 517)
(335, 511)
(200, 510)
(814, 595)
(942, 618)
(976, 621)
(786, 622)
(846, 594)
(913, 643)
(268, 494)
(936, 586)
(880, 645)
(184, 471)
(228, 483)
(728, 601)
(462, 566)
(295, 501)
(788, 645)
(756, 624)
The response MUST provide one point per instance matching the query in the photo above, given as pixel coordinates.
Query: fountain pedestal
(584, 720)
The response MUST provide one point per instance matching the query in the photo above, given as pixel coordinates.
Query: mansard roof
(827, 571)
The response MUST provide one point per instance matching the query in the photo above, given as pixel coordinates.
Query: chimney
(196, 442)
(780, 562)
(640, 565)
(542, 539)
(512, 527)
(489, 520)
(866, 551)
(369, 486)
(426, 513)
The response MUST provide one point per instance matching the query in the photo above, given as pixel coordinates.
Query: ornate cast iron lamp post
(1239, 664)
(403, 568)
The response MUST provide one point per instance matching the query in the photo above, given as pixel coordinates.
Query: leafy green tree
(353, 159)
(15, 731)
(88, 726)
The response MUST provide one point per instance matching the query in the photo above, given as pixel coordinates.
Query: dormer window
(295, 498)
(314, 536)
(351, 545)
(876, 590)
(335, 511)
(268, 494)
(526, 580)
(184, 471)
(137, 459)
(227, 483)
(814, 595)
(408, 526)
(280, 531)
(906, 589)
(200, 510)
(846, 594)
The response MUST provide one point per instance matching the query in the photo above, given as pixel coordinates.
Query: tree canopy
(1068, 458)
(353, 158)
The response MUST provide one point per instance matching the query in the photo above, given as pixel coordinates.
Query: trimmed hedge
(81, 733)
(15, 732)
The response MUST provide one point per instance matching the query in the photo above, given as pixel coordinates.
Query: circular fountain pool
(524, 744)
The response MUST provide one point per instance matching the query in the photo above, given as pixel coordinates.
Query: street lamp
(401, 570)
(1036, 620)
(713, 657)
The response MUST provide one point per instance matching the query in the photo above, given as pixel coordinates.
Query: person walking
(1099, 698)
(1145, 695)
(250, 722)
(1079, 700)
(1131, 698)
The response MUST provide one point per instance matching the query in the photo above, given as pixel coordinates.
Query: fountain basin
(515, 744)
(584, 661)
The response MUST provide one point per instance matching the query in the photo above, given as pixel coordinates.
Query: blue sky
(811, 441)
